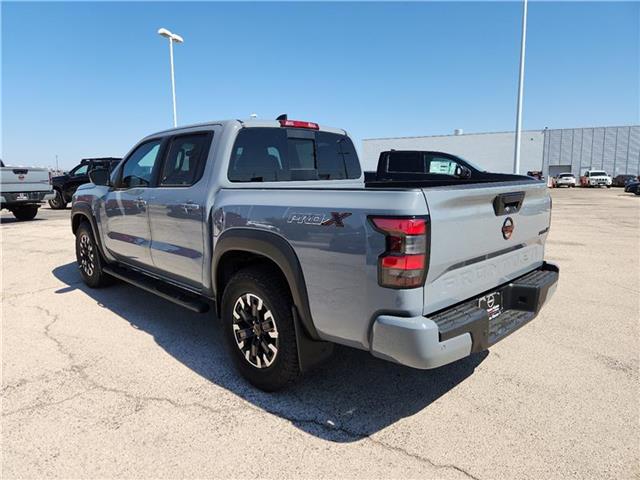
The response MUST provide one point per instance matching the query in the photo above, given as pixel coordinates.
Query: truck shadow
(6, 220)
(351, 396)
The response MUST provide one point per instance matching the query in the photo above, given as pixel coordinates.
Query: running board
(157, 287)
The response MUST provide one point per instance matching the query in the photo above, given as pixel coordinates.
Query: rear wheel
(259, 331)
(27, 212)
(58, 202)
(88, 257)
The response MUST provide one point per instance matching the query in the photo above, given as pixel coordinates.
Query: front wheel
(258, 328)
(88, 257)
(27, 212)
(58, 203)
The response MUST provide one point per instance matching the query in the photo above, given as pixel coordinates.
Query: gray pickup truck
(272, 224)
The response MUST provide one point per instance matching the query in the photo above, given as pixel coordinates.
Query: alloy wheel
(255, 330)
(87, 255)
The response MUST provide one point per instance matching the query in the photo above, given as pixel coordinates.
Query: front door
(177, 209)
(77, 177)
(127, 234)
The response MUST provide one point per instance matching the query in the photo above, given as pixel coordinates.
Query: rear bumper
(454, 333)
(10, 199)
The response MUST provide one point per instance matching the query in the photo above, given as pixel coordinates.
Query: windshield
(566, 175)
(598, 173)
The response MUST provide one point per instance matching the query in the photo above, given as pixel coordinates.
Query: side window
(185, 160)
(442, 165)
(138, 168)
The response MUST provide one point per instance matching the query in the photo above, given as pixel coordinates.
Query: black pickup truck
(64, 186)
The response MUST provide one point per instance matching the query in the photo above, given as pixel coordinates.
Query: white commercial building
(613, 149)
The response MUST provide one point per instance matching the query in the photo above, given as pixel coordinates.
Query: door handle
(140, 202)
(190, 207)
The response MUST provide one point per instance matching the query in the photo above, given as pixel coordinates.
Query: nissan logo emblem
(507, 228)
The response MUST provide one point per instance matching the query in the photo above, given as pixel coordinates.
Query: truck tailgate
(23, 179)
(469, 252)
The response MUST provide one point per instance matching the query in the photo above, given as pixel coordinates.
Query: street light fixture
(523, 47)
(178, 39)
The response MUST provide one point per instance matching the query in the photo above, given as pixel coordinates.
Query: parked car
(272, 223)
(565, 180)
(632, 187)
(595, 178)
(535, 174)
(65, 185)
(622, 180)
(23, 190)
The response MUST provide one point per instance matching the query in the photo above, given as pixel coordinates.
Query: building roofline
(493, 133)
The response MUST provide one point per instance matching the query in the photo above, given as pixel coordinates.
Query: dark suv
(64, 186)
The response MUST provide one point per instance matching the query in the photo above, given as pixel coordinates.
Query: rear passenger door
(177, 208)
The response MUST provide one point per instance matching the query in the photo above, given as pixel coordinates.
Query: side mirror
(100, 176)
(462, 172)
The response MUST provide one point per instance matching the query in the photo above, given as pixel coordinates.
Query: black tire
(89, 260)
(27, 212)
(58, 202)
(255, 292)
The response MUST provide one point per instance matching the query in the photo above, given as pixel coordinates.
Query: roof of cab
(243, 123)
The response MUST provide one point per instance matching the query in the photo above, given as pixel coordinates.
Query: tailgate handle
(20, 171)
(507, 203)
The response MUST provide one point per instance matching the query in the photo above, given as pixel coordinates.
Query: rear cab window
(265, 154)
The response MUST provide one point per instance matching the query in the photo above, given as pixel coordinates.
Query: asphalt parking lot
(119, 383)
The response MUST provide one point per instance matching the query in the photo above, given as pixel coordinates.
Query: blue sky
(90, 79)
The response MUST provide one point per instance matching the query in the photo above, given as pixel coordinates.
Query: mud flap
(310, 352)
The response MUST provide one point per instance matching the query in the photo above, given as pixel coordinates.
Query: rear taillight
(299, 124)
(405, 260)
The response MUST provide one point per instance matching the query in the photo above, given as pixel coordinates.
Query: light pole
(523, 43)
(172, 38)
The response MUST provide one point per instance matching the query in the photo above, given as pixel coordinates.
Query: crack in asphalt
(80, 370)
(359, 436)
(41, 405)
(143, 401)
(352, 434)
